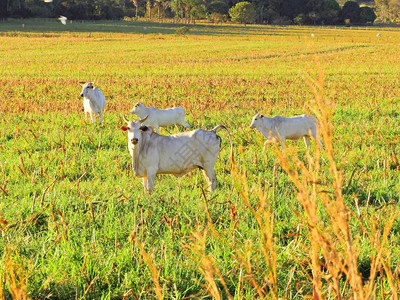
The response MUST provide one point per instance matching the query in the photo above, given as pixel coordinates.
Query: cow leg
(267, 142)
(306, 141)
(275, 140)
(209, 174)
(151, 175)
(144, 181)
(282, 141)
(101, 117)
(314, 133)
(91, 114)
(183, 123)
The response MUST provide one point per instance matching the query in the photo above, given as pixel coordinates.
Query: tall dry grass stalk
(154, 272)
(207, 265)
(330, 243)
(263, 213)
(13, 276)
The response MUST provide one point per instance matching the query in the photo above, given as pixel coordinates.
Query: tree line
(251, 11)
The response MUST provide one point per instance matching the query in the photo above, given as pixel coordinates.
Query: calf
(93, 101)
(160, 117)
(278, 129)
(175, 154)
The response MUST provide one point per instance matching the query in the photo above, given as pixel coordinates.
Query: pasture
(76, 223)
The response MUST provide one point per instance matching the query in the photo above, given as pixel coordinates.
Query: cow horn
(144, 119)
(125, 119)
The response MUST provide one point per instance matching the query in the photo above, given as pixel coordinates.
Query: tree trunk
(149, 8)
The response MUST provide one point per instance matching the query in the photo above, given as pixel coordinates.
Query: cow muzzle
(134, 141)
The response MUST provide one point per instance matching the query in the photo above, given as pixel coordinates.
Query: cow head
(135, 130)
(256, 120)
(86, 87)
(137, 108)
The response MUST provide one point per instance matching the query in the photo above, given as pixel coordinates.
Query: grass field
(76, 223)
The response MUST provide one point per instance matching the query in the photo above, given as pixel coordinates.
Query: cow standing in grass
(94, 101)
(160, 117)
(175, 154)
(279, 129)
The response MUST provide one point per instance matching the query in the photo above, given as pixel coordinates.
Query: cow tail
(230, 141)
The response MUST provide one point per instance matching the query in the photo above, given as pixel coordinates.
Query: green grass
(73, 214)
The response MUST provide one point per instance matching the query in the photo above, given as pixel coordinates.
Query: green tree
(388, 10)
(330, 12)
(177, 6)
(4, 11)
(367, 15)
(299, 19)
(394, 6)
(243, 12)
(194, 9)
(292, 8)
(157, 4)
(219, 7)
(351, 11)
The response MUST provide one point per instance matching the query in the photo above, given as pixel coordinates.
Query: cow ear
(143, 128)
(124, 128)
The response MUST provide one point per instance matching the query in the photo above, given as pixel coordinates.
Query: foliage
(219, 7)
(195, 9)
(388, 10)
(351, 11)
(367, 15)
(299, 19)
(330, 12)
(243, 12)
(217, 18)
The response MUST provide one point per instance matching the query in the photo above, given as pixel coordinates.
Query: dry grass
(13, 276)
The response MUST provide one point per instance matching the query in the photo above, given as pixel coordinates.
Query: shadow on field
(136, 27)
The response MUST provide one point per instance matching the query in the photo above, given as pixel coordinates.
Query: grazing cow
(160, 117)
(93, 101)
(278, 129)
(175, 154)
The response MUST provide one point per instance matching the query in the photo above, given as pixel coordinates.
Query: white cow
(278, 129)
(160, 117)
(175, 154)
(93, 101)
